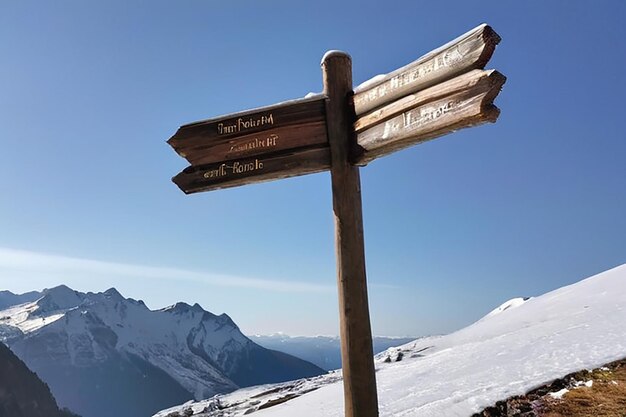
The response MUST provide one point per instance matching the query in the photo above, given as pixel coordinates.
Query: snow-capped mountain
(103, 354)
(519, 346)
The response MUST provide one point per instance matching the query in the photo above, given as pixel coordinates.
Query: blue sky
(90, 91)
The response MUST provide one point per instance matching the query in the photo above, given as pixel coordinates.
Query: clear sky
(90, 91)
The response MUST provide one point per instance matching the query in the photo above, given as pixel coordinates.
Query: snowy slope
(519, 346)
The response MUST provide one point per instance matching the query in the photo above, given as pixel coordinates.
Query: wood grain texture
(288, 125)
(471, 50)
(359, 378)
(439, 91)
(459, 103)
(217, 176)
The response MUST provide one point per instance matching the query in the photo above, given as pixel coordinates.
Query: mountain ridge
(78, 340)
(8, 299)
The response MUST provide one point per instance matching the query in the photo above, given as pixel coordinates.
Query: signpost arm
(360, 399)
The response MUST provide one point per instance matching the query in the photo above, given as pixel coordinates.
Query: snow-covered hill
(518, 346)
(92, 348)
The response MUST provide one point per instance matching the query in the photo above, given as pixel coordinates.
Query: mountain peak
(182, 307)
(112, 292)
(62, 288)
(225, 320)
(59, 298)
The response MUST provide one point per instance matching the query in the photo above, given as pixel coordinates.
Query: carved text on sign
(255, 144)
(234, 169)
(241, 124)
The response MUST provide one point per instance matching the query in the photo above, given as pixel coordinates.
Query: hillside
(521, 345)
(22, 393)
(599, 392)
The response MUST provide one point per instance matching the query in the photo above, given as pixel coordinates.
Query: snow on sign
(439, 93)
(443, 91)
(469, 51)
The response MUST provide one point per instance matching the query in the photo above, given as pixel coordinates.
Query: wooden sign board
(471, 50)
(244, 171)
(464, 101)
(284, 140)
(285, 126)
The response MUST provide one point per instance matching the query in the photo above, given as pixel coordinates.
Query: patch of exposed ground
(599, 392)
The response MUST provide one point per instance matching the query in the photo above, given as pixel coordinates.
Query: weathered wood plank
(421, 121)
(220, 136)
(269, 141)
(471, 50)
(217, 176)
(461, 83)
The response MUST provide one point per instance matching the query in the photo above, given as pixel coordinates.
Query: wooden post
(359, 379)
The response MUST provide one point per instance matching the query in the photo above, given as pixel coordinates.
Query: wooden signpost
(443, 91)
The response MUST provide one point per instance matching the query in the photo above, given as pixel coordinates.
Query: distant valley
(323, 351)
